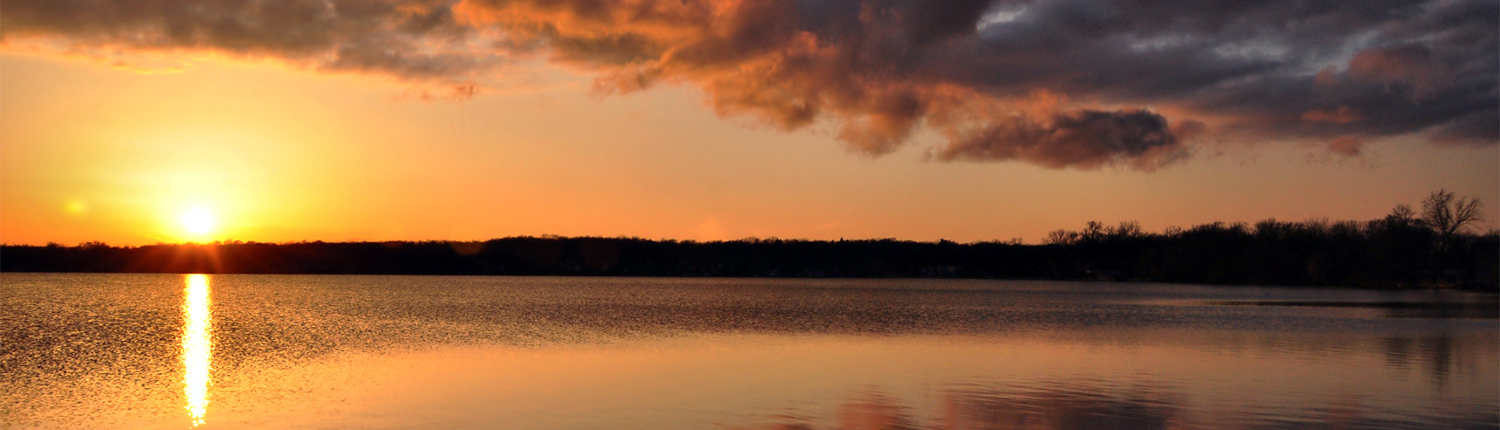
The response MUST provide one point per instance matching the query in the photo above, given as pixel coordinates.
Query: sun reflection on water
(197, 346)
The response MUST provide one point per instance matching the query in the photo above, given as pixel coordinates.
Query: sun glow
(197, 346)
(198, 221)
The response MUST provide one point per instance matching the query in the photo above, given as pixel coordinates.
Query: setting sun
(750, 214)
(198, 221)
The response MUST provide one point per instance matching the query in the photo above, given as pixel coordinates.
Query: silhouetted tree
(1402, 214)
(1449, 216)
(1397, 250)
(1060, 237)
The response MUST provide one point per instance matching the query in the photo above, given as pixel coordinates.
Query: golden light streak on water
(197, 346)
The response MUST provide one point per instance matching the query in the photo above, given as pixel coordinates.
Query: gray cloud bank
(1057, 83)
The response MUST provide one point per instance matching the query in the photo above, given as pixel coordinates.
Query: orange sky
(277, 153)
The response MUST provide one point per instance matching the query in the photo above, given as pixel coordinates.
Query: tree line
(1436, 247)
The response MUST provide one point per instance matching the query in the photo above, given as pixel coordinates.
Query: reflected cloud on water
(1081, 405)
(935, 355)
(197, 346)
(1054, 408)
(1062, 409)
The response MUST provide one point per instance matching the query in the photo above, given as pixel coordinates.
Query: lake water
(254, 351)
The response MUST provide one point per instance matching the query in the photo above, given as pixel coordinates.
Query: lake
(413, 352)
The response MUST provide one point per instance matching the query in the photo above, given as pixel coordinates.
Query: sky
(139, 122)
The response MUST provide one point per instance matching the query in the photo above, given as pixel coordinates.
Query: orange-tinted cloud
(878, 71)
(409, 39)
(1406, 63)
(758, 58)
(1346, 146)
(1342, 115)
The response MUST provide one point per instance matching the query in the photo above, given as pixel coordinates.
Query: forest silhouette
(1437, 247)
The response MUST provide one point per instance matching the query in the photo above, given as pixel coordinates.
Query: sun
(198, 221)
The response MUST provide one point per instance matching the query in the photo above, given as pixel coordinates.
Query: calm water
(247, 351)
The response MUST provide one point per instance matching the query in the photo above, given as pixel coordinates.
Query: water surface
(255, 351)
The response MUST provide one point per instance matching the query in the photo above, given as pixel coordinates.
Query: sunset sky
(136, 122)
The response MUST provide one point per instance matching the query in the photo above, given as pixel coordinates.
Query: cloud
(1122, 82)
(1342, 115)
(1084, 139)
(410, 39)
(1346, 146)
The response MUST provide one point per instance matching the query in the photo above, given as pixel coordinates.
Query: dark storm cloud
(1057, 83)
(406, 39)
(1081, 139)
